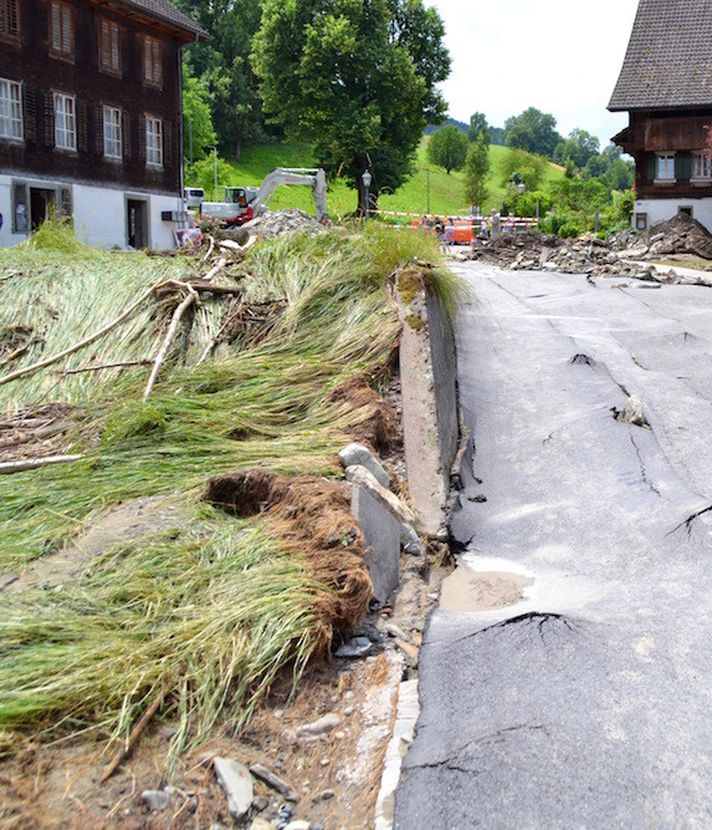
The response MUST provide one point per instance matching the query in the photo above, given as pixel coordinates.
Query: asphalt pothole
(467, 591)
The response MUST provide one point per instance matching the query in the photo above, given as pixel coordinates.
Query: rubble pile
(283, 221)
(627, 254)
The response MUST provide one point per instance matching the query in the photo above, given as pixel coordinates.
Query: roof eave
(191, 33)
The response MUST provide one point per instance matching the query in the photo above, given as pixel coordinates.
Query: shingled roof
(669, 60)
(163, 10)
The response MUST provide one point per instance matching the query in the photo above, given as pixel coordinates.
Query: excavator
(241, 204)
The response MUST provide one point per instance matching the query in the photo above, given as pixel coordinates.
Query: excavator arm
(311, 177)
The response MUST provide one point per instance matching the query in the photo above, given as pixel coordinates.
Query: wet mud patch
(467, 591)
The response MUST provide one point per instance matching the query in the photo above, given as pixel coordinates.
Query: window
(65, 122)
(9, 18)
(112, 133)
(152, 61)
(10, 110)
(685, 211)
(665, 167)
(701, 166)
(109, 46)
(61, 29)
(154, 142)
(20, 213)
(641, 221)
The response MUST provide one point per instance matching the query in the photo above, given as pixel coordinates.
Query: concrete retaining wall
(430, 410)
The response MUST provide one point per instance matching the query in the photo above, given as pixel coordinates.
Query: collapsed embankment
(126, 593)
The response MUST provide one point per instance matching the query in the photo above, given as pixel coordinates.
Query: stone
(355, 648)
(298, 825)
(396, 631)
(356, 455)
(271, 779)
(400, 510)
(156, 800)
(260, 803)
(410, 540)
(319, 727)
(633, 412)
(261, 824)
(326, 795)
(236, 781)
(382, 533)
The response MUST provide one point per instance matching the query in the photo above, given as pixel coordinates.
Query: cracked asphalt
(588, 704)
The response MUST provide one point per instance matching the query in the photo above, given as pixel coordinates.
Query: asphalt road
(589, 703)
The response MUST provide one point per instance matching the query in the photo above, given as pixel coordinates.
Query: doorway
(42, 204)
(137, 223)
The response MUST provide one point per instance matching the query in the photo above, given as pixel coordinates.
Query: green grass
(446, 192)
(214, 612)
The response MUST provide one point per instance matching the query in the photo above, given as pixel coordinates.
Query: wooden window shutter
(652, 167)
(99, 129)
(48, 112)
(67, 30)
(167, 144)
(126, 134)
(683, 166)
(105, 44)
(82, 127)
(56, 27)
(12, 22)
(142, 138)
(30, 115)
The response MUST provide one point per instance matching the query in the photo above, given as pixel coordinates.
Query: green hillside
(446, 192)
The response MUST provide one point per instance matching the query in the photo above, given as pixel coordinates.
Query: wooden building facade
(666, 87)
(90, 118)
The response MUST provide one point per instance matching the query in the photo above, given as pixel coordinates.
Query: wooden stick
(135, 734)
(216, 269)
(190, 298)
(17, 352)
(78, 371)
(9, 467)
(210, 249)
(48, 361)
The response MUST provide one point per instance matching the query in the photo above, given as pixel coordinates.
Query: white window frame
(113, 138)
(701, 167)
(154, 141)
(12, 124)
(65, 122)
(664, 165)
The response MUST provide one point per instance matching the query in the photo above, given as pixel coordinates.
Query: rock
(410, 541)
(156, 800)
(396, 631)
(382, 533)
(349, 710)
(260, 803)
(401, 511)
(319, 727)
(261, 824)
(326, 795)
(268, 777)
(356, 455)
(283, 222)
(355, 648)
(298, 825)
(236, 781)
(633, 412)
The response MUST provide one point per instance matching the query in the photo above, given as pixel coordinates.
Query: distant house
(666, 86)
(90, 118)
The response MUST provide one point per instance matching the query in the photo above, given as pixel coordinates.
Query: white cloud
(561, 56)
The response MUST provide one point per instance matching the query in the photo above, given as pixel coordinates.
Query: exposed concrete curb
(429, 393)
(403, 735)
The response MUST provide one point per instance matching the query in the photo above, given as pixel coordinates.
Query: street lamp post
(367, 178)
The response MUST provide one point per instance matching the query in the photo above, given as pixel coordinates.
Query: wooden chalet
(90, 118)
(666, 87)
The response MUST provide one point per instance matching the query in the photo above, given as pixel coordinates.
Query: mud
(468, 592)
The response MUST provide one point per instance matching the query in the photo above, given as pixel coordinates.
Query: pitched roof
(669, 60)
(166, 11)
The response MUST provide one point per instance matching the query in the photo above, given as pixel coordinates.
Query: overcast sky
(561, 56)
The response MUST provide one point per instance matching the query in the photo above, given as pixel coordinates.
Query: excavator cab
(236, 196)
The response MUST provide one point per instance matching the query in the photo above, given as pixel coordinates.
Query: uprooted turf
(210, 614)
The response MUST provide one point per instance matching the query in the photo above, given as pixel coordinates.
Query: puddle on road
(468, 592)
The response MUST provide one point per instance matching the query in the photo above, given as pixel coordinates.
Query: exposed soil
(468, 591)
(38, 434)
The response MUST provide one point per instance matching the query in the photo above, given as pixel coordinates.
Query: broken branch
(48, 361)
(10, 467)
(80, 369)
(188, 301)
(136, 733)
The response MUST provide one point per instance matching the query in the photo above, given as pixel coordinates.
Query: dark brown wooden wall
(30, 62)
(654, 132)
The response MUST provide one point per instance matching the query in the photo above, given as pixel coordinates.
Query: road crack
(643, 469)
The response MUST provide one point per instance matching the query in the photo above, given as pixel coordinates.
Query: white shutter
(67, 30)
(115, 61)
(56, 27)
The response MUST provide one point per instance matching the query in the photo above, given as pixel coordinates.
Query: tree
(198, 131)
(579, 148)
(448, 149)
(223, 65)
(479, 131)
(357, 80)
(521, 167)
(477, 166)
(534, 131)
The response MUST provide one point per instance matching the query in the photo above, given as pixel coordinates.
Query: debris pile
(627, 254)
(284, 221)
